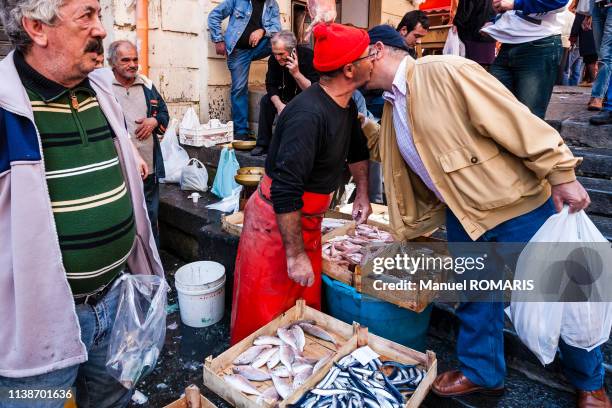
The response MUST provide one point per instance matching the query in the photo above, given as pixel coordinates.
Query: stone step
(600, 191)
(596, 163)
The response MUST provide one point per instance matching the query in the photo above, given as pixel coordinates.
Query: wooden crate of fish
(394, 376)
(344, 249)
(277, 358)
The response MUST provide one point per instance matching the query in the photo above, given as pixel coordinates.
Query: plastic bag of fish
(280, 359)
(350, 384)
(350, 250)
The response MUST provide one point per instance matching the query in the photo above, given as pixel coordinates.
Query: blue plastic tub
(382, 318)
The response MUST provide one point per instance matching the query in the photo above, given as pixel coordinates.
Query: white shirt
(397, 97)
(514, 27)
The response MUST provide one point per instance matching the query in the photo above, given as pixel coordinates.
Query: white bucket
(201, 293)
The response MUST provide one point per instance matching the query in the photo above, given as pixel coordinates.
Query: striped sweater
(92, 210)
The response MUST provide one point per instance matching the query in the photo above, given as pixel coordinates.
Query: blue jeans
(480, 342)
(602, 33)
(239, 64)
(573, 70)
(529, 71)
(94, 387)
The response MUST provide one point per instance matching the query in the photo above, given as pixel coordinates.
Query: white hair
(287, 37)
(13, 11)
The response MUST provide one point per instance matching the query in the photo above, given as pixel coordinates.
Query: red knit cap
(337, 45)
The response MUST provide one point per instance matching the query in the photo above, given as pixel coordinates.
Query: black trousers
(151, 193)
(267, 113)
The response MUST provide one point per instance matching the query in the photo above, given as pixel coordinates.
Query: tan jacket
(490, 158)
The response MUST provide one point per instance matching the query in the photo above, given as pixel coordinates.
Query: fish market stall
(307, 358)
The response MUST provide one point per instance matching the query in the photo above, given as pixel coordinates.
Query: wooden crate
(348, 339)
(233, 223)
(214, 369)
(182, 403)
(362, 281)
(346, 212)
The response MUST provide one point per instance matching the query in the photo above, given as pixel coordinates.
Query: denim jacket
(239, 12)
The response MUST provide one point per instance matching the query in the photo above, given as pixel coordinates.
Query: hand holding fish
(299, 269)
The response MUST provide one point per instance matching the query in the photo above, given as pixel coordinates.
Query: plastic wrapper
(175, 157)
(582, 324)
(140, 328)
(194, 176)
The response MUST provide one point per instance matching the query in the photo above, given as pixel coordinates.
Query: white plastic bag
(453, 45)
(541, 324)
(139, 329)
(194, 176)
(190, 120)
(175, 157)
(229, 204)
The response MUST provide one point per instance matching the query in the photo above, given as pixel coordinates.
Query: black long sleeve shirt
(281, 83)
(313, 140)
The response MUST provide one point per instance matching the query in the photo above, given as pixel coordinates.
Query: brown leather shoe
(453, 383)
(595, 104)
(593, 399)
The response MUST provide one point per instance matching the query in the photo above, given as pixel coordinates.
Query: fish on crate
(350, 250)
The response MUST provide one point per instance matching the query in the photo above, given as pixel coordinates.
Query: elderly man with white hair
(72, 211)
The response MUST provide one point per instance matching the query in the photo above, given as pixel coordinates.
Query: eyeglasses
(369, 56)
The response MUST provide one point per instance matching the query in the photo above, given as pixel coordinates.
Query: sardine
(322, 362)
(300, 339)
(282, 387)
(332, 391)
(274, 360)
(286, 335)
(251, 373)
(264, 357)
(317, 332)
(239, 382)
(250, 354)
(268, 340)
(287, 356)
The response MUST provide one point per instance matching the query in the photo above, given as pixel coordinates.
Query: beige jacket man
(489, 157)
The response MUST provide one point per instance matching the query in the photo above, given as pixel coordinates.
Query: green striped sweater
(89, 198)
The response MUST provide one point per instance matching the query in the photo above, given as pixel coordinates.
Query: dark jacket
(281, 83)
(471, 17)
(156, 108)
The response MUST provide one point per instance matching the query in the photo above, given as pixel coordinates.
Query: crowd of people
(451, 141)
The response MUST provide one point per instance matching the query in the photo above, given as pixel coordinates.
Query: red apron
(262, 288)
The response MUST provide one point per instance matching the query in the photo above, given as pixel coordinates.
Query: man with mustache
(72, 211)
(146, 116)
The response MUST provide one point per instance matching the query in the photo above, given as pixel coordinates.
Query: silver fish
(325, 393)
(264, 357)
(251, 373)
(239, 382)
(301, 377)
(250, 354)
(282, 387)
(274, 359)
(300, 339)
(281, 371)
(288, 326)
(269, 395)
(269, 340)
(287, 356)
(322, 362)
(306, 360)
(298, 368)
(317, 332)
(287, 336)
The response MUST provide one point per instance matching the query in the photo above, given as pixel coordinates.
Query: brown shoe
(593, 399)
(595, 104)
(453, 383)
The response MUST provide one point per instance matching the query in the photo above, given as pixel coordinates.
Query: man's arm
(273, 82)
(299, 267)
(529, 6)
(216, 16)
(273, 26)
(361, 206)
(163, 117)
(497, 114)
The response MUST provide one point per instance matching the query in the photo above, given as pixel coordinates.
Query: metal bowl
(252, 170)
(243, 144)
(248, 180)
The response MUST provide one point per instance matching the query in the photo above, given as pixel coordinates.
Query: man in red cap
(279, 256)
